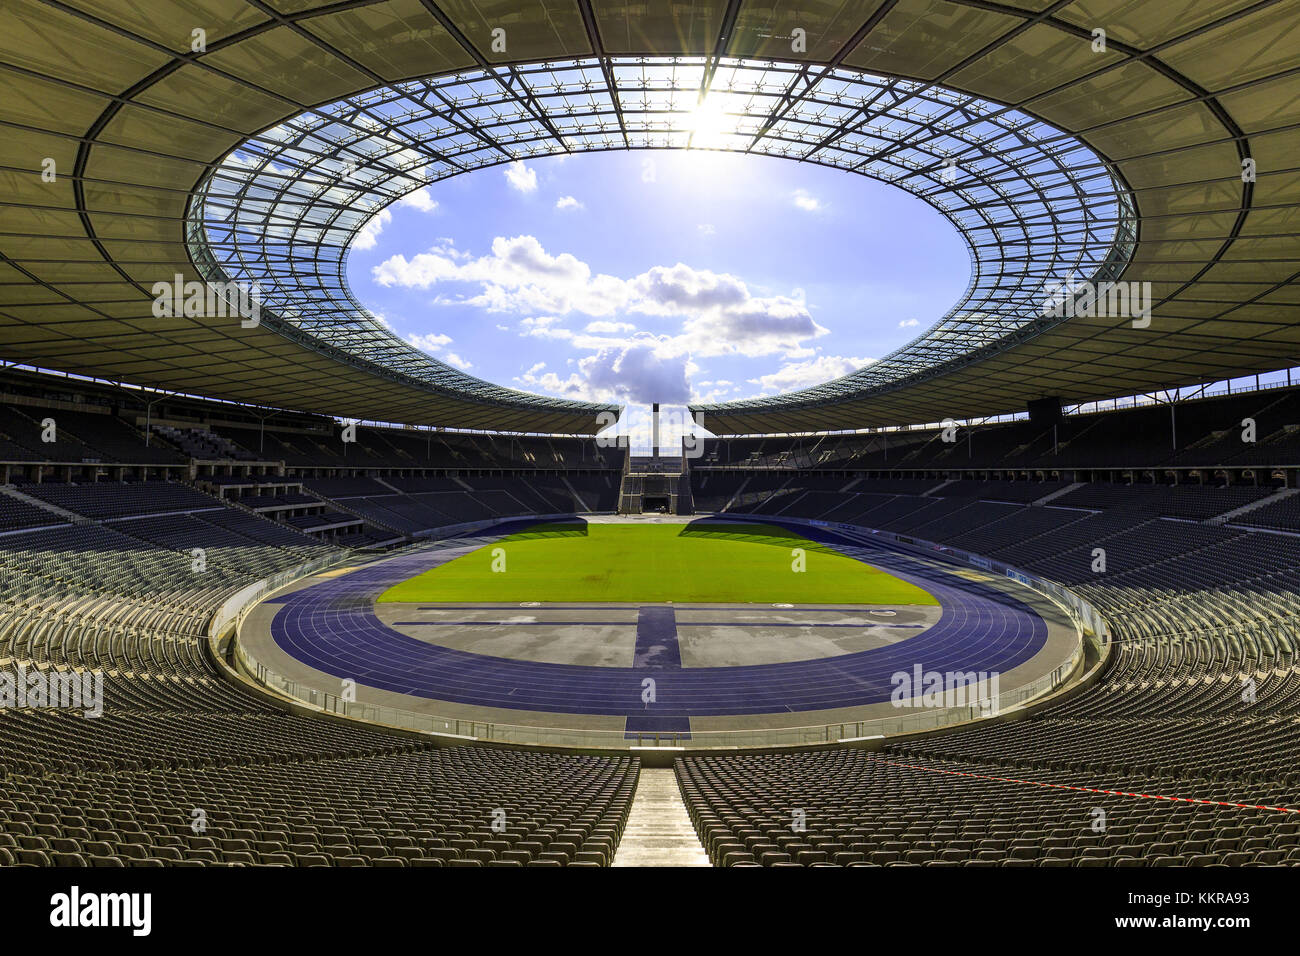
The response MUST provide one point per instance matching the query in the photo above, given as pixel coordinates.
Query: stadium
(284, 586)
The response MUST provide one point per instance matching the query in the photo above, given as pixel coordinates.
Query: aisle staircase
(659, 830)
(665, 477)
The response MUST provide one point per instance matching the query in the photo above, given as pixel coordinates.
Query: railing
(235, 606)
(663, 465)
(919, 721)
(1089, 624)
(1087, 619)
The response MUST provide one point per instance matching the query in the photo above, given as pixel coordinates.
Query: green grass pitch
(652, 563)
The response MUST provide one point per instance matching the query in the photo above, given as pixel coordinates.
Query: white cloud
(436, 342)
(431, 342)
(368, 234)
(568, 202)
(693, 314)
(544, 327)
(814, 371)
(420, 199)
(520, 177)
(707, 396)
(634, 373)
(539, 379)
(721, 316)
(456, 360)
(807, 201)
(706, 229)
(718, 314)
(908, 323)
(637, 374)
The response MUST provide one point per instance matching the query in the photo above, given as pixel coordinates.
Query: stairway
(685, 503)
(578, 499)
(739, 491)
(659, 830)
(930, 492)
(44, 505)
(202, 443)
(1059, 493)
(1251, 506)
(654, 478)
(629, 495)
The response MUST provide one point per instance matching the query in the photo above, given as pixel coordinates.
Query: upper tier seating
(81, 436)
(117, 500)
(1281, 515)
(16, 514)
(1208, 432)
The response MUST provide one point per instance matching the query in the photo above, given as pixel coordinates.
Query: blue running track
(332, 626)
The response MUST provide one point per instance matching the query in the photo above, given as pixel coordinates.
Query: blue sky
(668, 276)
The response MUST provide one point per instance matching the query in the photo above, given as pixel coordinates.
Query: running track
(332, 626)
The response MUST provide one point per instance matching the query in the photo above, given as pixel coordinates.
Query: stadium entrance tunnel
(1038, 209)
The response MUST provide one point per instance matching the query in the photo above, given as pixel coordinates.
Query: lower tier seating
(402, 806)
(844, 807)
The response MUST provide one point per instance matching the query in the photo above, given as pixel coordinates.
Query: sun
(709, 123)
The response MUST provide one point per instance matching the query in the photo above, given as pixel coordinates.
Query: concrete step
(659, 830)
(44, 505)
(582, 502)
(1253, 506)
(736, 497)
(1059, 493)
(930, 492)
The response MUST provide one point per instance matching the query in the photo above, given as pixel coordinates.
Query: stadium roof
(160, 169)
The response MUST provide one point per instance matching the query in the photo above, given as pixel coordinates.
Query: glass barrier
(235, 607)
(925, 719)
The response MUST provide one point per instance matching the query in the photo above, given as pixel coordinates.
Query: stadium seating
(121, 789)
(1186, 745)
(846, 807)
(200, 773)
(1199, 702)
(97, 572)
(117, 500)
